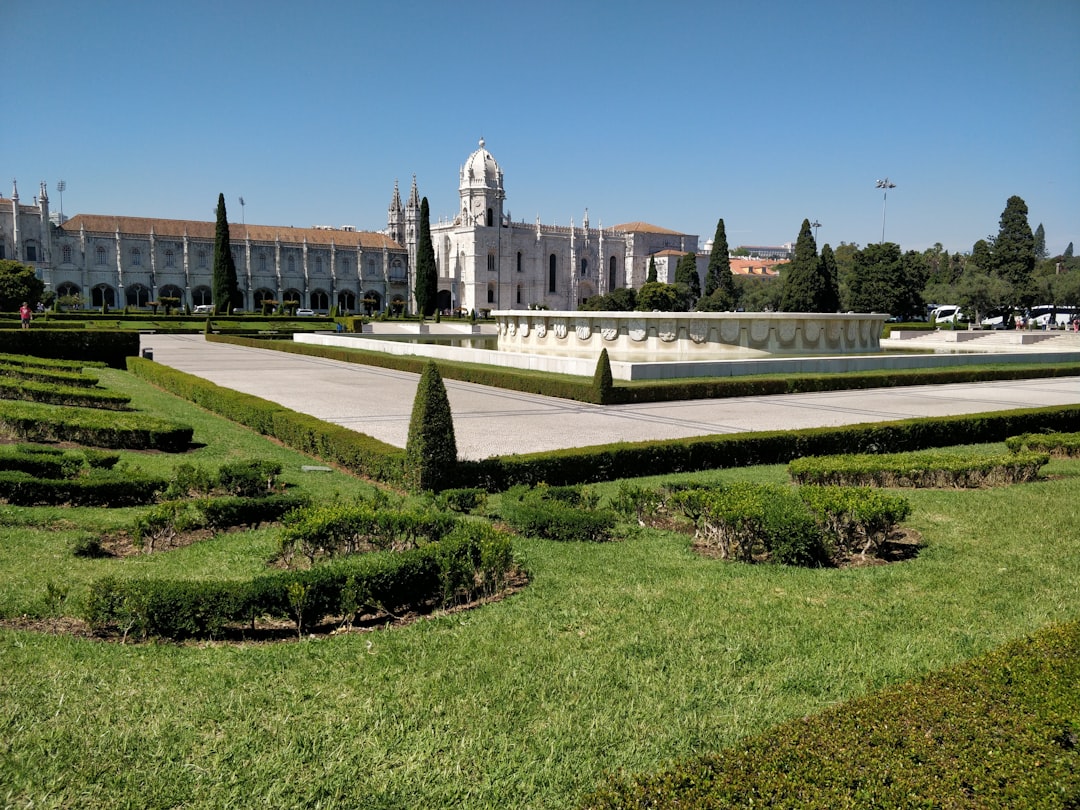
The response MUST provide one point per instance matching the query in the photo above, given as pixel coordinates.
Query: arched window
(345, 263)
(491, 262)
(292, 264)
(519, 261)
(68, 291)
(584, 267)
(320, 300)
(171, 291)
(136, 295)
(346, 301)
(201, 296)
(491, 295)
(101, 295)
(262, 262)
(67, 254)
(202, 261)
(490, 218)
(170, 259)
(611, 274)
(99, 255)
(136, 257)
(551, 272)
(318, 264)
(518, 295)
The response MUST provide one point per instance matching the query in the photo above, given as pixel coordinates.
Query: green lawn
(624, 655)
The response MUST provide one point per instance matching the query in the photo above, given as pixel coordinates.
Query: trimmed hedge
(49, 364)
(1060, 445)
(999, 732)
(108, 347)
(52, 394)
(103, 489)
(472, 561)
(565, 514)
(927, 469)
(53, 376)
(119, 430)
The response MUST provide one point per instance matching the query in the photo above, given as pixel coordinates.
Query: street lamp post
(815, 225)
(885, 185)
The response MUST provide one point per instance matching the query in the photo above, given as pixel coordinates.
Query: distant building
(778, 252)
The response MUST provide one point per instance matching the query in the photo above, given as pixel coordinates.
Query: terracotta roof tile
(176, 228)
(645, 227)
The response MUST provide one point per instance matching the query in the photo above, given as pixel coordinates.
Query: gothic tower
(481, 190)
(395, 223)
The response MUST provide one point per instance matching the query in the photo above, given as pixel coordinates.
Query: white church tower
(481, 190)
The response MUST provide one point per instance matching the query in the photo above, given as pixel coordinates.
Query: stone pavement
(493, 422)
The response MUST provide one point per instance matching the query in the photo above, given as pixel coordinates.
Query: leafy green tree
(1040, 243)
(1013, 254)
(18, 283)
(719, 282)
(655, 296)
(621, 299)
(759, 293)
(804, 286)
(873, 284)
(226, 290)
(651, 277)
(686, 273)
(427, 272)
(430, 450)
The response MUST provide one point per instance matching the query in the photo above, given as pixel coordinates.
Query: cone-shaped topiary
(431, 450)
(602, 381)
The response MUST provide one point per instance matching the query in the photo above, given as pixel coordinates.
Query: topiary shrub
(431, 450)
(602, 380)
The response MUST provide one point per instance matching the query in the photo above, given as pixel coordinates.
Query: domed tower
(481, 190)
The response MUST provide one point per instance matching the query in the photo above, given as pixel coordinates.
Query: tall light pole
(886, 185)
(60, 186)
(815, 225)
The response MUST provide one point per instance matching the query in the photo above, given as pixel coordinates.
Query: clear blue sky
(676, 113)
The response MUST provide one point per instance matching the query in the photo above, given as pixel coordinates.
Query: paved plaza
(494, 422)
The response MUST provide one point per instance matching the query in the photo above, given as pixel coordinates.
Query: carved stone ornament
(698, 330)
(541, 330)
(786, 330)
(729, 330)
(864, 330)
(832, 331)
(667, 331)
(523, 327)
(583, 330)
(811, 331)
(637, 330)
(502, 328)
(852, 331)
(560, 329)
(511, 328)
(609, 330)
(759, 331)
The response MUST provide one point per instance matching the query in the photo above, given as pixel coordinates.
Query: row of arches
(139, 295)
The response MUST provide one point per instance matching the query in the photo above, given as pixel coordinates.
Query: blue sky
(678, 114)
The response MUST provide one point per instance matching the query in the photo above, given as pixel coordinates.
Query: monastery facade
(485, 260)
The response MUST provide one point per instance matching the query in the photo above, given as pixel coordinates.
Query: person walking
(25, 314)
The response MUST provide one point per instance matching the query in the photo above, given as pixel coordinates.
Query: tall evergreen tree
(718, 273)
(1013, 255)
(431, 449)
(803, 284)
(1068, 251)
(1040, 243)
(830, 294)
(224, 287)
(686, 273)
(426, 290)
(980, 256)
(874, 283)
(651, 277)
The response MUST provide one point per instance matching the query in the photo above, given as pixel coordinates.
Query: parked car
(204, 309)
(305, 313)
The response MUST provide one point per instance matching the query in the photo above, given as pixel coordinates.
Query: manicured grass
(630, 654)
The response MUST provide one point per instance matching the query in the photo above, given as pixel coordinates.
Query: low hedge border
(109, 347)
(1060, 445)
(584, 390)
(999, 732)
(52, 394)
(925, 469)
(55, 364)
(103, 489)
(473, 561)
(88, 426)
(52, 376)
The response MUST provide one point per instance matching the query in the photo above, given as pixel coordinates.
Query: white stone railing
(686, 335)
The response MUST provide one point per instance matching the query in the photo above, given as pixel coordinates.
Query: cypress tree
(1040, 242)
(431, 450)
(719, 273)
(602, 380)
(1068, 251)
(225, 289)
(686, 273)
(426, 290)
(651, 277)
(830, 274)
(802, 283)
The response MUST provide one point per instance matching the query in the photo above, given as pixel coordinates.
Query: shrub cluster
(557, 513)
(105, 488)
(159, 526)
(999, 732)
(810, 526)
(473, 560)
(34, 421)
(926, 469)
(54, 394)
(464, 500)
(333, 530)
(1060, 445)
(29, 369)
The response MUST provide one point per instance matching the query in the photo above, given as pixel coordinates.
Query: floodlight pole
(815, 225)
(886, 185)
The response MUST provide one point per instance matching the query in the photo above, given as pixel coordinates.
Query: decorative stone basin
(660, 336)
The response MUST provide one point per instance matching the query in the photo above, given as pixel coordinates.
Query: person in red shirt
(25, 314)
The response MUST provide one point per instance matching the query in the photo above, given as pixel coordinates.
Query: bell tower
(481, 190)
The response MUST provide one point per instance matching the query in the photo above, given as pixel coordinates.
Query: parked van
(204, 309)
(947, 313)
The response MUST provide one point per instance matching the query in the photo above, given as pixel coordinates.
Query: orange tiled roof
(177, 228)
(670, 252)
(645, 227)
(754, 267)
